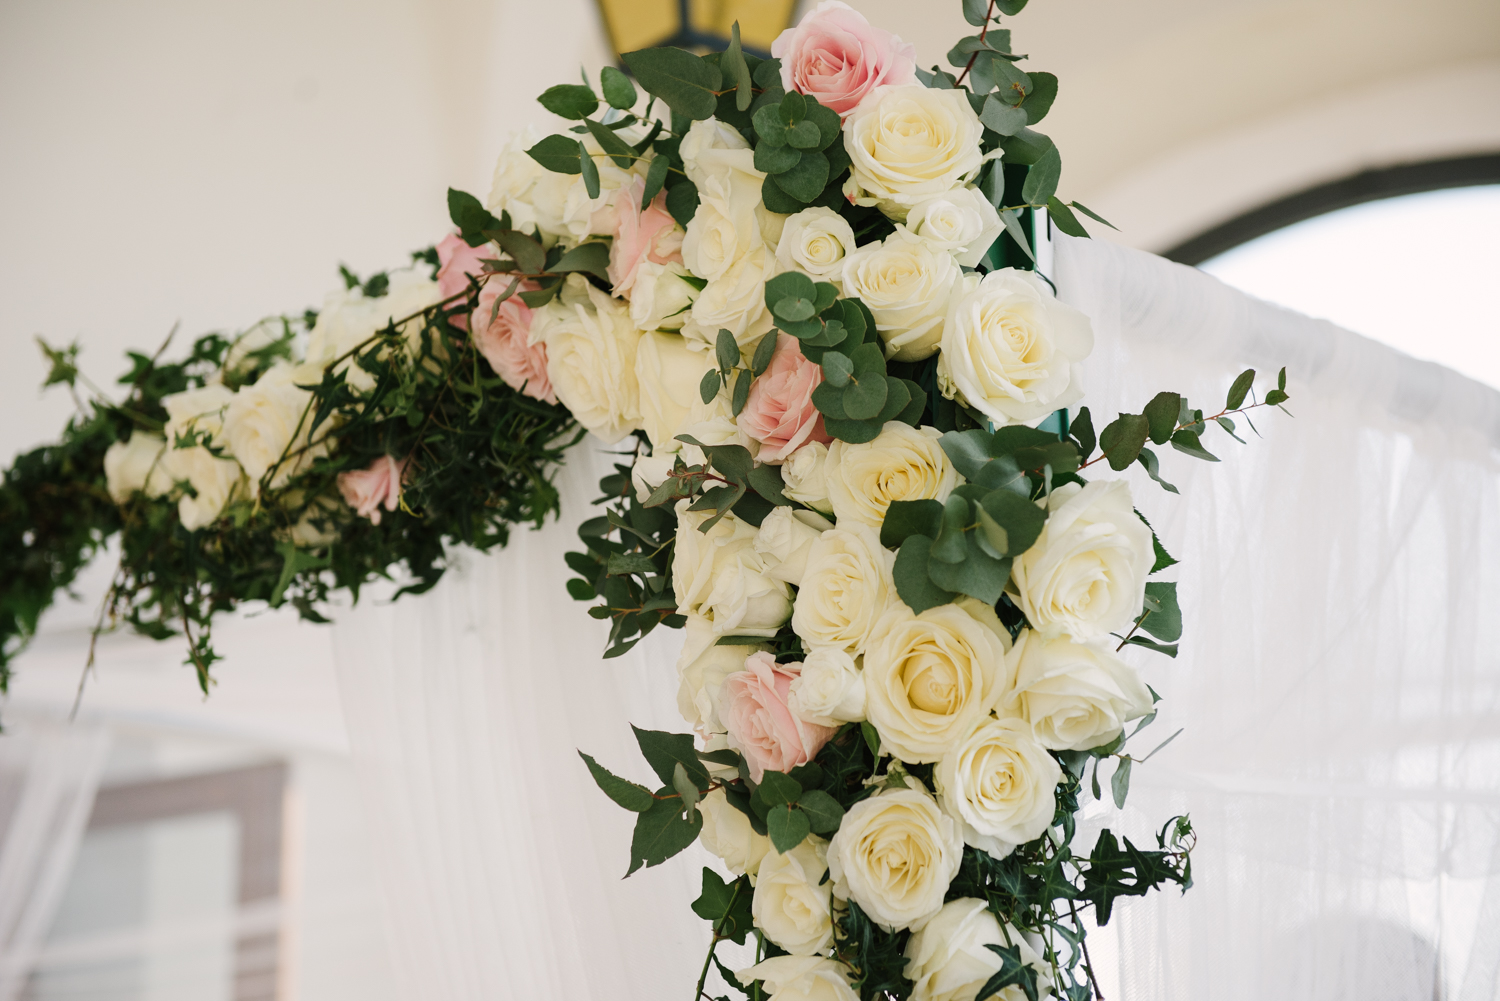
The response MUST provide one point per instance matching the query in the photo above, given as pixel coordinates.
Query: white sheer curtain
(502, 861)
(48, 776)
(1339, 679)
(1338, 683)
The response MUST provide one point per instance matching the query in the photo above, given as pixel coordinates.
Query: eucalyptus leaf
(913, 584)
(686, 83)
(618, 90)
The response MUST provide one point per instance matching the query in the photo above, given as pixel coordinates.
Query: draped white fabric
(1339, 679)
(48, 776)
(1338, 683)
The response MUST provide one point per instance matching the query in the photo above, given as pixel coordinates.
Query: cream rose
(906, 284)
(909, 143)
(815, 242)
(735, 301)
(702, 667)
(962, 221)
(790, 905)
(661, 299)
(998, 782)
(894, 855)
(668, 373)
(900, 463)
(267, 422)
(784, 540)
(803, 473)
(929, 678)
(727, 833)
(801, 978)
(830, 691)
(1010, 350)
(557, 206)
(946, 959)
(845, 589)
(1074, 696)
(1085, 576)
(199, 412)
(591, 354)
(135, 465)
(349, 318)
(720, 576)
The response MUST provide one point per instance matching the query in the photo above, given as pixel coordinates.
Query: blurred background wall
(202, 164)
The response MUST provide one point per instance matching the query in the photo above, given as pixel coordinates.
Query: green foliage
(481, 458)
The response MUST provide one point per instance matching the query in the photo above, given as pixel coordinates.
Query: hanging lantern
(701, 25)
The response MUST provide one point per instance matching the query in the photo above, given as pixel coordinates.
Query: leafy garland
(480, 457)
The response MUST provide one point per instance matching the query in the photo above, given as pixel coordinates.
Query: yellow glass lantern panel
(760, 20)
(640, 24)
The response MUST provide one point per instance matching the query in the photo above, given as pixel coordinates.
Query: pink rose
(640, 236)
(837, 56)
(761, 725)
(505, 341)
(779, 411)
(367, 490)
(456, 262)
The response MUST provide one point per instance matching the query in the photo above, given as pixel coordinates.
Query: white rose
(1010, 350)
(660, 299)
(727, 833)
(267, 422)
(701, 669)
(668, 373)
(213, 479)
(962, 221)
(907, 143)
(711, 149)
(803, 472)
(845, 589)
(946, 959)
(789, 905)
(930, 677)
(720, 576)
(591, 350)
(830, 691)
(894, 855)
(1074, 696)
(650, 471)
(801, 978)
(998, 783)
(901, 463)
(1085, 575)
(349, 318)
(907, 285)
(815, 242)
(735, 301)
(784, 540)
(557, 206)
(713, 423)
(135, 464)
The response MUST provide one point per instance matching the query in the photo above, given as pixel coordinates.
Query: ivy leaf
(1119, 785)
(1012, 972)
(686, 83)
(635, 798)
(1164, 621)
(727, 905)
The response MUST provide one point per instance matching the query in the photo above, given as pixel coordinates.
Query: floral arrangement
(856, 486)
(802, 292)
(304, 455)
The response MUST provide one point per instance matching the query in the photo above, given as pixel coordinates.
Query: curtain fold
(1338, 686)
(49, 773)
(1339, 676)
